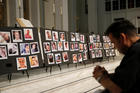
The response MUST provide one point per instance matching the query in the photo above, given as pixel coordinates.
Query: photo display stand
(78, 48)
(108, 46)
(19, 50)
(55, 47)
(95, 47)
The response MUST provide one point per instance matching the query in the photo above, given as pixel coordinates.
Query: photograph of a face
(54, 46)
(85, 55)
(81, 47)
(3, 52)
(80, 58)
(28, 34)
(72, 36)
(72, 46)
(93, 54)
(74, 57)
(47, 47)
(106, 45)
(107, 52)
(94, 38)
(5, 37)
(98, 38)
(12, 49)
(17, 35)
(58, 59)
(98, 53)
(48, 34)
(33, 61)
(34, 47)
(82, 38)
(77, 35)
(50, 58)
(66, 45)
(55, 35)
(104, 39)
(62, 36)
(90, 46)
(21, 63)
(65, 56)
(24, 49)
(85, 47)
(76, 46)
(91, 39)
(60, 46)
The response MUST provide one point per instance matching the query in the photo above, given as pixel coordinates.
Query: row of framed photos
(5, 37)
(96, 53)
(110, 52)
(12, 49)
(77, 37)
(94, 38)
(63, 46)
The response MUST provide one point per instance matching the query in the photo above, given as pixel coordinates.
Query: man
(126, 78)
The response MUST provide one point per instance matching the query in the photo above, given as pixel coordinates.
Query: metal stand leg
(27, 73)
(10, 77)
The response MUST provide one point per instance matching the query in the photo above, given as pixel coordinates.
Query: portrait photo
(82, 38)
(107, 52)
(50, 58)
(24, 49)
(93, 54)
(77, 36)
(62, 36)
(80, 58)
(47, 47)
(55, 35)
(90, 46)
(5, 37)
(12, 49)
(81, 47)
(17, 35)
(60, 46)
(72, 47)
(76, 46)
(94, 38)
(33, 61)
(54, 46)
(97, 38)
(91, 39)
(58, 59)
(85, 47)
(85, 55)
(28, 34)
(48, 34)
(65, 56)
(72, 36)
(3, 52)
(74, 57)
(34, 47)
(21, 63)
(66, 45)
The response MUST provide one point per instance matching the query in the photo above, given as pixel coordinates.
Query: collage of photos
(77, 37)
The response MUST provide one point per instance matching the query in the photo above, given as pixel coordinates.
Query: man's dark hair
(123, 26)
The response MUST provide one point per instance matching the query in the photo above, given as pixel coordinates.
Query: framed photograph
(98, 38)
(98, 53)
(72, 46)
(91, 39)
(90, 46)
(60, 46)
(58, 59)
(55, 35)
(65, 56)
(106, 45)
(24, 49)
(94, 38)
(80, 58)
(21, 63)
(28, 34)
(47, 47)
(5, 37)
(74, 57)
(85, 47)
(50, 58)
(81, 47)
(76, 46)
(94, 45)
(93, 54)
(112, 52)
(34, 47)
(62, 36)
(54, 46)
(48, 34)
(72, 36)
(85, 55)
(82, 38)
(104, 39)
(3, 52)
(12, 49)
(17, 35)
(66, 45)
(107, 52)
(33, 61)
(77, 35)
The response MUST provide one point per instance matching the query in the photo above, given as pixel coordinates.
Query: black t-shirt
(127, 74)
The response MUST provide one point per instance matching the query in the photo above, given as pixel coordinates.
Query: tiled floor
(69, 80)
